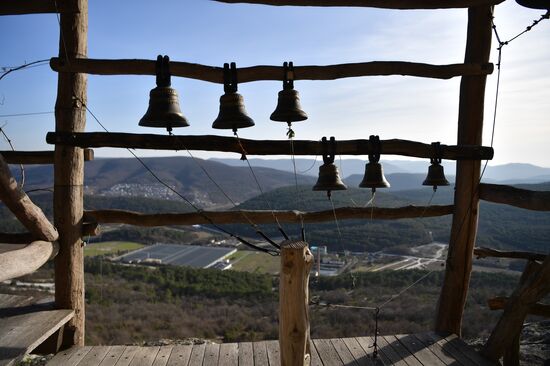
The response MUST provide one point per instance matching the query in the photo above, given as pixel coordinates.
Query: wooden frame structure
(70, 140)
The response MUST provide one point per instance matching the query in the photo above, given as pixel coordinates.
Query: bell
(288, 107)
(436, 176)
(374, 176)
(232, 113)
(535, 4)
(164, 109)
(329, 179)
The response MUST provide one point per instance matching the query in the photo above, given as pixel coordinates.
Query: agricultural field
(110, 247)
(255, 262)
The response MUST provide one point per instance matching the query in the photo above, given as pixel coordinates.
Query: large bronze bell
(164, 109)
(374, 176)
(436, 175)
(329, 179)
(535, 4)
(232, 115)
(288, 105)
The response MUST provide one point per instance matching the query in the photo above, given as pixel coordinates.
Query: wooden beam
(258, 73)
(522, 198)
(30, 215)
(20, 262)
(499, 303)
(294, 335)
(487, 252)
(37, 157)
(452, 298)
(70, 117)
(384, 4)
(262, 147)
(20, 7)
(88, 229)
(534, 288)
(262, 217)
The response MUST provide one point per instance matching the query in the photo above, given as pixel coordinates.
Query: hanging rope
(298, 193)
(24, 66)
(197, 209)
(244, 157)
(22, 169)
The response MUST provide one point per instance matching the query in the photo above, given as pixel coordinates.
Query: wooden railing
(385, 4)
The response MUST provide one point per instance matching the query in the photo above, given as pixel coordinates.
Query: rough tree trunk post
(534, 285)
(70, 116)
(464, 227)
(294, 338)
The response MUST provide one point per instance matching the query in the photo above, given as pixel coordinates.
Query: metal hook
(436, 153)
(288, 75)
(162, 71)
(376, 147)
(328, 156)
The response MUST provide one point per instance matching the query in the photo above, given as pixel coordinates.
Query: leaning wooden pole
(70, 116)
(294, 338)
(464, 227)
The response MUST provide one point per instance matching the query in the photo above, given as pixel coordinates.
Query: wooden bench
(25, 325)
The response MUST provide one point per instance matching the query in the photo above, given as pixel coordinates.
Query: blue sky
(211, 33)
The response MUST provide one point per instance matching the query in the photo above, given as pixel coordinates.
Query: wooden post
(294, 338)
(70, 116)
(464, 227)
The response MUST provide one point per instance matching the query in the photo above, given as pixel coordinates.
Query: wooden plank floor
(406, 350)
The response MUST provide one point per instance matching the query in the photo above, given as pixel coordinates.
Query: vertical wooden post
(294, 338)
(465, 218)
(70, 116)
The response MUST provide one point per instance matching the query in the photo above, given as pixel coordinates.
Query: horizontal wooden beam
(20, 262)
(499, 303)
(384, 4)
(487, 252)
(522, 198)
(258, 73)
(30, 215)
(37, 157)
(262, 147)
(88, 229)
(20, 7)
(262, 217)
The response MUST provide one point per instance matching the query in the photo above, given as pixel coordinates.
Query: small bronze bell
(436, 175)
(164, 109)
(535, 4)
(374, 173)
(374, 176)
(232, 115)
(329, 179)
(288, 105)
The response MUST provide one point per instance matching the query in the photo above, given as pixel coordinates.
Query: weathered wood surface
(23, 327)
(262, 217)
(384, 4)
(488, 252)
(499, 303)
(88, 229)
(37, 157)
(452, 298)
(20, 7)
(258, 73)
(70, 116)
(294, 338)
(30, 215)
(534, 285)
(429, 349)
(20, 262)
(522, 198)
(263, 147)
